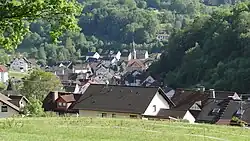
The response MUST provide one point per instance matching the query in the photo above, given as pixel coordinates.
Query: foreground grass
(98, 129)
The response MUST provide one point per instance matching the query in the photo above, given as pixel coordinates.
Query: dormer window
(216, 110)
(240, 112)
(64, 104)
(60, 104)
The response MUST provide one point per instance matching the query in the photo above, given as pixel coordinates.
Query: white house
(19, 64)
(92, 55)
(175, 114)
(121, 101)
(4, 76)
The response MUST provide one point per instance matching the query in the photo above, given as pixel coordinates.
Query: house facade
(4, 76)
(121, 101)
(94, 55)
(19, 64)
(8, 109)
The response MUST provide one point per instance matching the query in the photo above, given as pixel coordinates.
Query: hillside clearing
(17, 75)
(78, 129)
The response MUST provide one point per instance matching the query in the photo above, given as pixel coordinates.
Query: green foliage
(2, 86)
(16, 15)
(112, 24)
(39, 83)
(213, 51)
(34, 108)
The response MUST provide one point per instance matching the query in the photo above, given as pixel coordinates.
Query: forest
(213, 52)
(112, 24)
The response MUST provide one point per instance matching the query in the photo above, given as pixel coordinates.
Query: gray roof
(111, 98)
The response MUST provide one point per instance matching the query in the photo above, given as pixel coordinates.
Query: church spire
(134, 51)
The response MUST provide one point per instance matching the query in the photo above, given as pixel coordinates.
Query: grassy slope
(16, 74)
(79, 129)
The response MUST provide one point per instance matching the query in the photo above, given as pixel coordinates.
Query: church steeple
(134, 51)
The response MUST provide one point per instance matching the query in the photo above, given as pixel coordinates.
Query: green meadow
(103, 129)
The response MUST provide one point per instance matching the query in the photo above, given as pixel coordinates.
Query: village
(118, 85)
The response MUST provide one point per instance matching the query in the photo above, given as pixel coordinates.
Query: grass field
(97, 129)
(17, 75)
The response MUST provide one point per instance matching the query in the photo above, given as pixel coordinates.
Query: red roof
(3, 68)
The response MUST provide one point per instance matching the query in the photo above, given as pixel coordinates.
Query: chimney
(213, 93)
(55, 95)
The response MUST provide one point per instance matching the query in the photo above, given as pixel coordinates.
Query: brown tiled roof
(138, 62)
(3, 68)
(113, 98)
(166, 113)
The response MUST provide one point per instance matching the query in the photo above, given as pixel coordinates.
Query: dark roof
(92, 60)
(15, 99)
(227, 109)
(90, 53)
(69, 88)
(246, 114)
(184, 99)
(117, 98)
(166, 113)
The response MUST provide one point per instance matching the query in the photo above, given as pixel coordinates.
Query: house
(4, 76)
(92, 55)
(215, 110)
(135, 65)
(19, 100)
(125, 55)
(81, 68)
(121, 101)
(170, 114)
(60, 102)
(8, 109)
(192, 100)
(19, 64)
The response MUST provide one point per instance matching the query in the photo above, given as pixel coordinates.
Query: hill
(93, 129)
(213, 52)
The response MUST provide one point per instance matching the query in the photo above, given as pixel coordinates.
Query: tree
(42, 54)
(39, 83)
(69, 45)
(16, 15)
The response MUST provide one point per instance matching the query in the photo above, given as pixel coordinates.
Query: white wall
(188, 116)
(4, 76)
(11, 111)
(160, 103)
(88, 113)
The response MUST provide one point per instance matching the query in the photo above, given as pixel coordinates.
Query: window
(216, 110)
(4, 108)
(133, 116)
(60, 103)
(64, 104)
(104, 114)
(240, 112)
(154, 108)
(113, 115)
